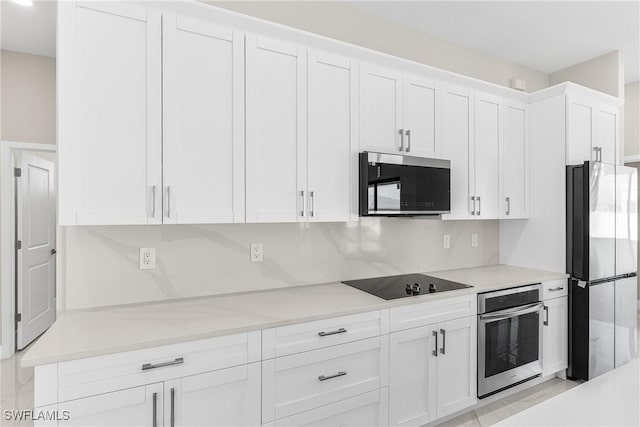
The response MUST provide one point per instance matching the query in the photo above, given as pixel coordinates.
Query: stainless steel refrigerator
(602, 253)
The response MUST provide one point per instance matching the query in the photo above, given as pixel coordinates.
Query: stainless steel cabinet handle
(435, 348)
(559, 288)
(173, 407)
(312, 202)
(149, 366)
(473, 209)
(168, 202)
(328, 377)
(479, 205)
(302, 203)
(155, 410)
(444, 343)
(408, 133)
(508, 201)
(546, 316)
(337, 331)
(153, 201)
(401, 132)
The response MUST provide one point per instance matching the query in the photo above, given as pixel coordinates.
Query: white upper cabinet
(109, 113)
(593, 130)
(331, 142)
(607, 133)
(421, 116)
(488, 134)
(457, 134)
(380, 110)
(275, 131)
(398, 113)
(203, 121)
(514, 162)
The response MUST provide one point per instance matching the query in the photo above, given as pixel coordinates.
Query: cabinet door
(203, 162)
(514, 162)
(331, 147)
(421, 119)
(109, 113)
(607, 133)
(580, 130)
(412, 376)
(555, 335)
(138, 406)
(228, 397)
(457, 366)
(380, 110)
(488, 134)
(275, 131)
(457, 146)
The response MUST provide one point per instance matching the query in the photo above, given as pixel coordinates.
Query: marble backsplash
(100, 266)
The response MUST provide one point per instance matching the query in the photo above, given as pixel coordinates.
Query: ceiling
(545, 35)
(29, 29)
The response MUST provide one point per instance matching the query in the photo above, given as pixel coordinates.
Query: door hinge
(18, 317)
(18, 244)
(17, 172)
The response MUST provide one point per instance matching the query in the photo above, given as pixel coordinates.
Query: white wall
(28, 98)
(341, 22)
(604, 73)
(102, 262)
(632, 120)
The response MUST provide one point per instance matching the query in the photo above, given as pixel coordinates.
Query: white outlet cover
(474, 240)
(256, 252)
(446, 241)
(147, 258)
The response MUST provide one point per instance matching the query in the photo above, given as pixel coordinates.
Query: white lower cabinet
(368, 409)
(555, 335)
(304, 381)
(432, 371)
(138, 406)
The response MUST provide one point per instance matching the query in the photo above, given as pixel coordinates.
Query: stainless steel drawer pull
(435, 349)
(173, 408)
(153, 201)
(149, 366)
(559, 288)
(302, 203)
(408, 133)
(328, 377)
(337, 331)
(473, 209)
(444, 343)
(168, 202)
(401, 132)
(508, 200)
(479, 205)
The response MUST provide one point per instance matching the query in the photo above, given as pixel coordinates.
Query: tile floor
(16, 392)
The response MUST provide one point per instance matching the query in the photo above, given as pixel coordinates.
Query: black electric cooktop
(405, 285)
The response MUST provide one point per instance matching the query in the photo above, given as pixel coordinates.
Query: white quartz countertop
(612, 399)
(87, 333)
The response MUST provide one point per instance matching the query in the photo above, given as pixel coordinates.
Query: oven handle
(512, 312)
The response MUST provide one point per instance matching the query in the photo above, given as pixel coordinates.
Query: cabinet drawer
(307, 336)
(102, 374)
(300, 382)
(369, 409)
(554, 289)
(427, 313)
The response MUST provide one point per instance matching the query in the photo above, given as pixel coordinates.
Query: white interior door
(203, 162)
(331, 91)
(36, 234)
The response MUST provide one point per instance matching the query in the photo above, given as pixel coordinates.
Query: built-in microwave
(396, 185)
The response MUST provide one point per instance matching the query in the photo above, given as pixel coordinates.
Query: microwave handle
(512, 312)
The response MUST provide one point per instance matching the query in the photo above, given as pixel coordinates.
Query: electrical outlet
(446, 241)
(474, 240)
(256, 252)
(147, 258)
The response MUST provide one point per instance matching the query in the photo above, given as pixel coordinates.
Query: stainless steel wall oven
(509, 338)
